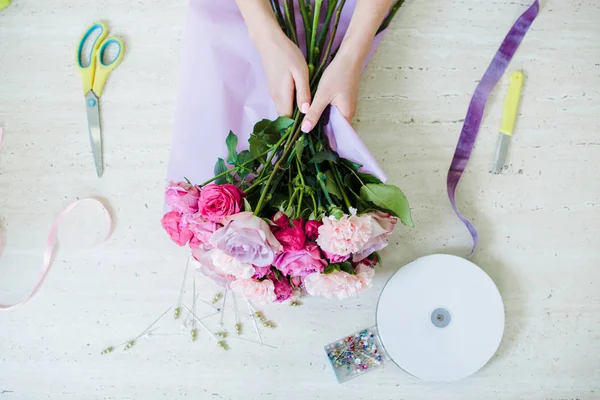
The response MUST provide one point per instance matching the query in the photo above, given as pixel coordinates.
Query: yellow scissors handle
(95, 71)
(102, 68)
(87, 67)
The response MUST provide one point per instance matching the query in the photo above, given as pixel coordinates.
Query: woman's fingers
(321, 101)
(284, 97)
(300, 75)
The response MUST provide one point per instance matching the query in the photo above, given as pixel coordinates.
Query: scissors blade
(93, 117)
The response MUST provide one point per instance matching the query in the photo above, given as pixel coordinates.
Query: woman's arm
(282, 60)
(340, 81)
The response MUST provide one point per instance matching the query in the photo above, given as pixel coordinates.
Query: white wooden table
(539, 220)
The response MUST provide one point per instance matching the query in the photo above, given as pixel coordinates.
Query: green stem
(291, 21)
(306, 21)
(313, 39)
(276, 168)
(335, 174)
(222, 174)
(324, 59)
(278, 14)
(390, 16)
(323, 34)
(255, 185)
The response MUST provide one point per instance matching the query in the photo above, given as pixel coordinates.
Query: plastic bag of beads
(355, 354)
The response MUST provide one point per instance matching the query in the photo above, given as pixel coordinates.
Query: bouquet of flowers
(288, 215)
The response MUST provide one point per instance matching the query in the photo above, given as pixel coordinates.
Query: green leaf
(331, 186)
(257, 147)
(276, 273)
(279, 125)
(244, 157)
(352, 165)
(260, 126)
(247, 206)
(322, 156)
(219, 169)
(390, 198)
(231, 142)
(331, 268)
(368, 178)
(346, 266)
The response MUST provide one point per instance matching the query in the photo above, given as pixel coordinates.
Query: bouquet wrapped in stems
(289, 215)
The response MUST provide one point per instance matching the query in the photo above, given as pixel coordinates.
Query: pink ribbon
(51, 245)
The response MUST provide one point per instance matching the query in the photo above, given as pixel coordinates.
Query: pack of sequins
(355, 354)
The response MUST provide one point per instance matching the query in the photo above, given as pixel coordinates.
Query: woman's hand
(338, 86)
(287, 72)
(283, 62)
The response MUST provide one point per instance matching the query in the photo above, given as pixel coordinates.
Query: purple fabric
(222, 87)
(475, 112)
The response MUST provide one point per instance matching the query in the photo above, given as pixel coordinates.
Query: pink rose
(218, 201)
(261, 272)
(201, 228)
(182, 197)
(383, 225)
(247, 238)
(311, 229)
(292, 238)
(346, 235)
(261, 291)
(179, 233)
(283, 289)
(301, 262)
(339, 284)
(281, 220)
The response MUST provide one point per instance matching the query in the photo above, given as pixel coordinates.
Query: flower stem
(313, 38)
(304, 11)
(325, 58)
(390, 16)
(340, 186)
(323, 34)
(290, 16)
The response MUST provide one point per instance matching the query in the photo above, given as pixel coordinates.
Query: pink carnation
(261, 291)
(182, 197)
(334, 258)
(339, 284)
(292, 238)
(301, 262)
(218, 201)
(346, 235)
(179, 233)
(383, 224)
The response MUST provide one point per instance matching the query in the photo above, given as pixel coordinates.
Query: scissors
(94, 74)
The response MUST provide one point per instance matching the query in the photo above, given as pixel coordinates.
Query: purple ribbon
(472, 122)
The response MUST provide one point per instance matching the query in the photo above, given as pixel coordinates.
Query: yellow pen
(509, 115)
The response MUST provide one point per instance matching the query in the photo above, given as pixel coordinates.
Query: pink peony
(218, 201)
(247, 238)
(296, 281)
(345, 236)
(301, 262)
(383, 225)
(281, 220)
(292, 238)
(201, 228)
(339, 284)
(179, 233)
(311, 229)
(283, 289)
(182, 197)
(261, 291)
